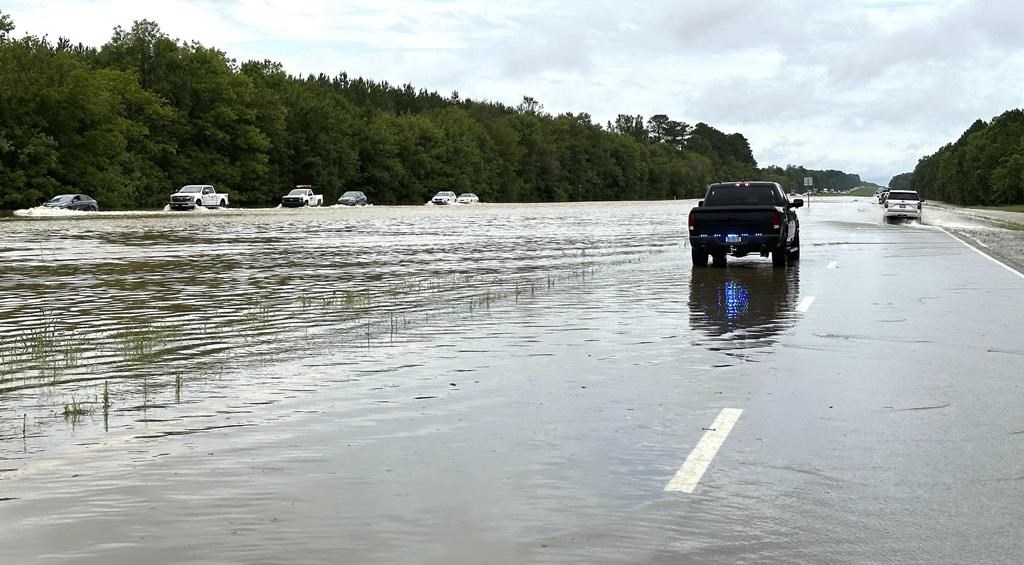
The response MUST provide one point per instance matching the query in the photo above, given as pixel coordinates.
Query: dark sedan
(352, 198)
(73, 202)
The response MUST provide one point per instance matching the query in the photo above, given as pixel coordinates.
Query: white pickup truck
(301, 196)
(190, 196)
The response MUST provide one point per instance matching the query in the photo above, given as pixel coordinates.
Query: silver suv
(902, 204)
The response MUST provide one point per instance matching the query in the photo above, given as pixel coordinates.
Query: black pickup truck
(739, 218)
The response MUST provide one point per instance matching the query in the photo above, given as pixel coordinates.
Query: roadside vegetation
(134, 119)
(1012, 208)
(863, 191)
(984, 167)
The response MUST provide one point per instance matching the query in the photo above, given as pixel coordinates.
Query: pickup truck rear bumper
(736, 245)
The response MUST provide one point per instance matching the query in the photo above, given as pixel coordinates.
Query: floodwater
(492, 383)
(150, 306)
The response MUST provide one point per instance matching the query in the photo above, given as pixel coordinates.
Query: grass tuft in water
(75, 409)
(257, 315)
(139, 342)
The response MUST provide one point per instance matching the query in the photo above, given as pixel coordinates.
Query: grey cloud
(783, 98)
(544, 50)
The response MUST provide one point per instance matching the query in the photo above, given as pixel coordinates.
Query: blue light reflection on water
(736, 299)
(745, 306)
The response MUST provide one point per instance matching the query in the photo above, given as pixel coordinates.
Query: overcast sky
(865, 86)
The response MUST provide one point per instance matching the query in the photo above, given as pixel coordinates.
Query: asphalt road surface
(864, 406)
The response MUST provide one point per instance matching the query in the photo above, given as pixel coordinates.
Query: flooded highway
(504, 384)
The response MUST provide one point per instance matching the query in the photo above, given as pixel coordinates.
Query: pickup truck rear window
(742, 196)
(894, 195)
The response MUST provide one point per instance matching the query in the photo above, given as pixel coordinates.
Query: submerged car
(902, 204)
(73, 202)
(468, 198)
(444, 197)
(352, 198)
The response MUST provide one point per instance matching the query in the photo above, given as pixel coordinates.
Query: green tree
(902, 181)
(147, 113)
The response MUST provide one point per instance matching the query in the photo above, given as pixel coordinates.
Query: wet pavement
(504, 384)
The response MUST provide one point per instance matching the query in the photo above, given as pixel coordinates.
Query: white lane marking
(693, 468)
(805, 304)
(983, 254)
(832, 265)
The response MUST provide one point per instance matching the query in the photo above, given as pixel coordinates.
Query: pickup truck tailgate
(737, 220)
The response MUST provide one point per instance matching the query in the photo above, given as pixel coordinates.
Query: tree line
(793, 176)
(985, 166)
(134, 119)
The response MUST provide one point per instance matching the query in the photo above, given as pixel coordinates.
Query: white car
(444, 197)
(468, 198)
(902, 204)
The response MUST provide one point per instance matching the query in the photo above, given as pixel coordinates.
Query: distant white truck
(301, 196)
(190, 196)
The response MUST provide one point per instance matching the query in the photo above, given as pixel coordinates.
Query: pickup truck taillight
(776, 220)
(691, 220)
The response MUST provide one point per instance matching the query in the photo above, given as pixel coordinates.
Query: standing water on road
(493, 383)
(282, 376)
(113, 320)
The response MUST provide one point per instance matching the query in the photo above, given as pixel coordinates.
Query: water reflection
(744, 306)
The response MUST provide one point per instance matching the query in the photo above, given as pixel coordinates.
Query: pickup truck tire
(223, 203)
(779, 258)
(718, 261)
(700, 257)
(199, 203)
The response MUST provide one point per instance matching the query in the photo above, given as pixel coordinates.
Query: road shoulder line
(982, 253)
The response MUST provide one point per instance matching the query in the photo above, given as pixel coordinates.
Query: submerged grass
(75, 409)
(372, 311)
(1015, 226)
(50, 347)
(257, 315)
(1011, 208)
(140, 342)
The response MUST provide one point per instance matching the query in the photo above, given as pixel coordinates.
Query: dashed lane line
(805, 304)
(696, 464)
